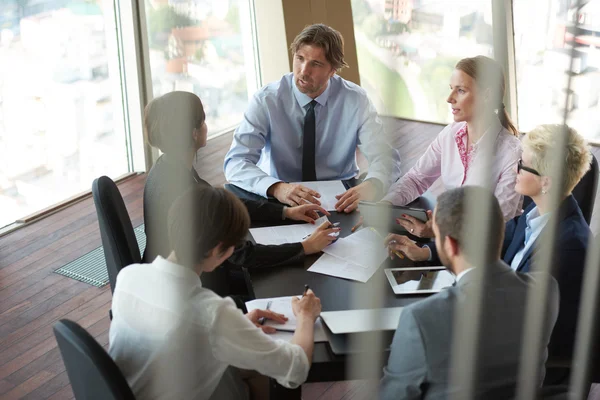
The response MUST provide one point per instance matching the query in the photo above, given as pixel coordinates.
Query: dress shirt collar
(535, 221)
(304, 99)
(177, 270)
(463, 273)
(490, 134)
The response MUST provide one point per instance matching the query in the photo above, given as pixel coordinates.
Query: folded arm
(249, 139)
(420, 177)
(236, 341)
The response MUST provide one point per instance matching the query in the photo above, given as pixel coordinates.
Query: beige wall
(335, 13)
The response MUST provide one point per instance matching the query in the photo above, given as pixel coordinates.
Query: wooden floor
(33, 298)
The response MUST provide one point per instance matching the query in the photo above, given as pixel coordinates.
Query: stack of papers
(283, 305)
(285, 233)
(328, 190)
(356, 257)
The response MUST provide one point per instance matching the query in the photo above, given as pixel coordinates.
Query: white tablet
(419, 280)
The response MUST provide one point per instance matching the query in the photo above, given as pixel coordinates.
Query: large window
(61, 121)
(544, 39)
(202, 46)
(407, 50)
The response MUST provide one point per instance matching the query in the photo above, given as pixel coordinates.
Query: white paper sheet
(283, 305)
(328, 190)
(363, 248)
(285, 233)
(333, 266)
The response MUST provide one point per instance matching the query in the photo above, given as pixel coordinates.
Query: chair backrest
(584, 192)
(93, 374)
(118, 238)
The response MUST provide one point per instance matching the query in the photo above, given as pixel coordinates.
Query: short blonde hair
(578, 157)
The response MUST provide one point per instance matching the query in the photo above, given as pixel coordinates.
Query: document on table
(363, 248)
(328, 190)
(285, 233)
(356, 257)
(283, 305)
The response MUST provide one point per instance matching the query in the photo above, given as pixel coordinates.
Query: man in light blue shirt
(306, 127)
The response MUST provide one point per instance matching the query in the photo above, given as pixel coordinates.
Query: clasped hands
(295, 194)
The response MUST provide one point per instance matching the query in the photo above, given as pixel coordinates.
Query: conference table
(336, 294)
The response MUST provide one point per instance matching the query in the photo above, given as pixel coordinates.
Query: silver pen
(262, 320)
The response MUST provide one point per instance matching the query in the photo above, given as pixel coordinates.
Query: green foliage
(374, 25)
(360, 11)
(434, 77)
(233, 17)
(389, 84)
(162, 20)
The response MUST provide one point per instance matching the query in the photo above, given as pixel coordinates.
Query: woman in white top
(481, 125)
(174, 339)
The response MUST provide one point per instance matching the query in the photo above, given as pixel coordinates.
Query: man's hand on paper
(293, 194)
(255, 315)
(320, 238)
(348, 201)
(308, 306)
(409, 248)
(416, 227)
(305, 212)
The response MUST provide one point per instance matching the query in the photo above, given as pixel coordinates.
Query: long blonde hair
(488, 73)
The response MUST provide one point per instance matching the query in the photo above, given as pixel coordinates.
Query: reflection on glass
(407, 50)
(544, 38)
(197, 46)
(60, 115)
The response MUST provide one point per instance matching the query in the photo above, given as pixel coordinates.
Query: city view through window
(61, 121)
(544, 39)
(198, 46)
(407, 50)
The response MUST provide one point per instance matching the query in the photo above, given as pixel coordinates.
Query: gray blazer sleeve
(406, 371)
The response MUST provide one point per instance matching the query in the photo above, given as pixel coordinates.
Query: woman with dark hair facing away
(174, 339)
(175, 124)
(481, 125)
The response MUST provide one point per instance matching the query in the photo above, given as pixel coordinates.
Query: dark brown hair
(170, 119)
(325, 37)
(203, 218)
(451, 216)
(488, 73)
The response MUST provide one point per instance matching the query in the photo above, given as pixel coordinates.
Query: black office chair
(93, 374)
(584, 192)
(118, 239)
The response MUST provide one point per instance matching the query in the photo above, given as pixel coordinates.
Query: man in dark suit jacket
(422, 349)
(570, 250)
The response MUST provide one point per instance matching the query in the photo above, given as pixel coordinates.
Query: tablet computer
(419, 280)
(383, 216)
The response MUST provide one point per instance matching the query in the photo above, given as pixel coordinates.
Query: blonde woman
(480, 123)
(523, 233)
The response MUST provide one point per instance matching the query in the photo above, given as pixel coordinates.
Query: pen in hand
(396, 252)
(358, 224)
(262, 320)
(305, 290)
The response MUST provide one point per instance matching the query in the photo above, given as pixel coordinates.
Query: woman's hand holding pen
(255, 317)
(308, 306)
(320, 238)
(405, 246)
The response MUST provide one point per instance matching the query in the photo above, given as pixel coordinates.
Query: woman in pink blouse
(480, 120)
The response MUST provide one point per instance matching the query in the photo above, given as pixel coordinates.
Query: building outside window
(407, 50)
(544, 38)
(199, 46)
(61, 121)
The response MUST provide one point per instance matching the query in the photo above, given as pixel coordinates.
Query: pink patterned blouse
(448, 158)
